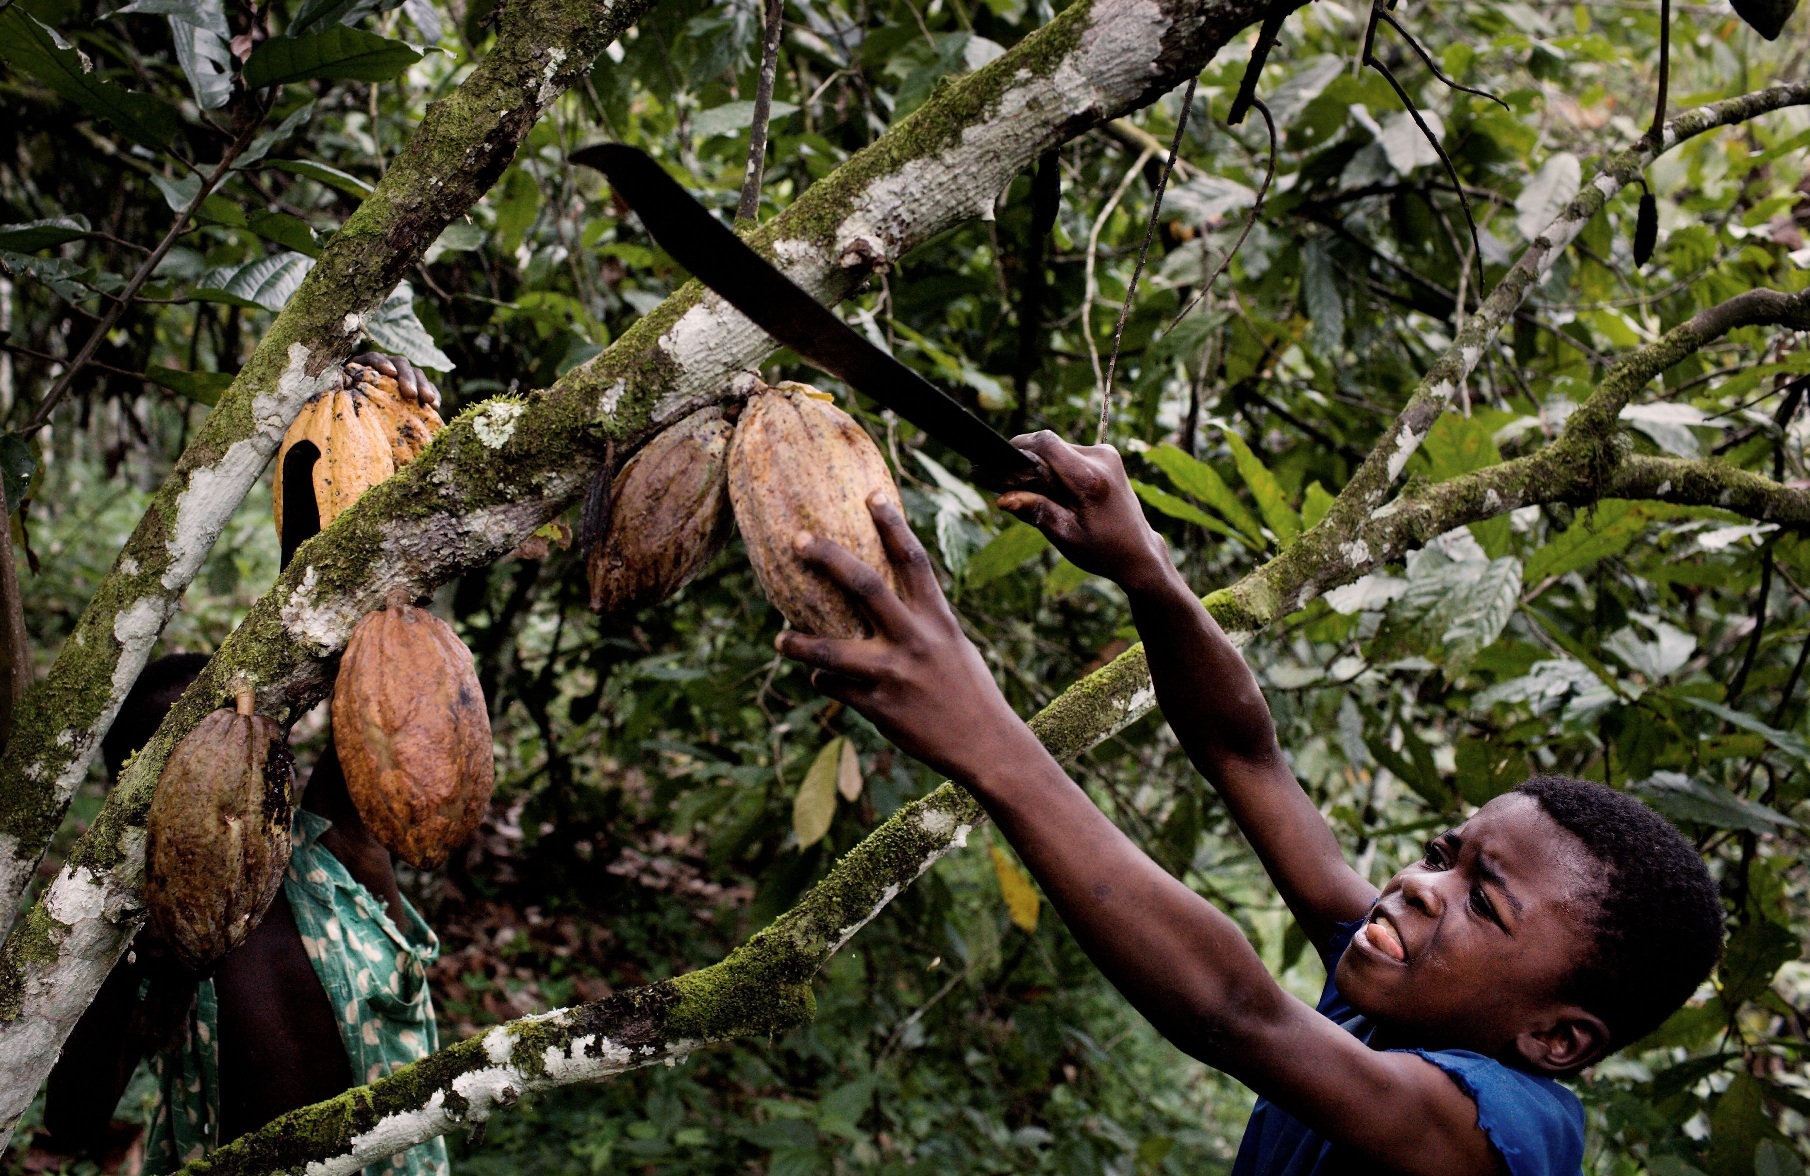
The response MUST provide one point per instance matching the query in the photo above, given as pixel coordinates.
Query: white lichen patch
(391, 1135)
(611, 398)
(322, 626)
(1406, 442)
(494, 424)
(1140, 702)
(1356, 552)
(937, 823)
(550, 89)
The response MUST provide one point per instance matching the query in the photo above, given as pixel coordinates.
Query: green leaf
(334, 53)
(517, 201)
(30, 236)
(291, 232)
(199, 30)
(1596, 534)
(1703, 803)
(733, 117)
(1177, 508)
(1195, 477)
(1316, 501)
(1004, 554)
(397, 330)
(18, 465)
(266, 283)
(1451, 610)
(261, 145)
(815, 805)
(1789, 744)
(1457, 444)
(1064, 578)
(31, 46)
(319, 172)
(178, 191)
(1283, 522)
(203, 387)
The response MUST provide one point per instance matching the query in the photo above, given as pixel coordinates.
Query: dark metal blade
(777, 305)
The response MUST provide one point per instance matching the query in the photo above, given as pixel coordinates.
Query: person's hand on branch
(412, 383)
(918, 678)
(1088, 510)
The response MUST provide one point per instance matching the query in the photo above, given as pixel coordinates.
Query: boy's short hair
(1659, 925)
(158, 687)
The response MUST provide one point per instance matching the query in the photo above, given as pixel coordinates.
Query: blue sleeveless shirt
(1534, 1125)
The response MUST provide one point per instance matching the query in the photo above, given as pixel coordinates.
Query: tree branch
(462, 145)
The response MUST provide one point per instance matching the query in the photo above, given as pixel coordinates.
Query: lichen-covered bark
(462, 145)
(502, 469)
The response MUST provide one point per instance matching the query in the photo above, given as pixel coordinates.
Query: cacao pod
(799, 463)
(360, 434)
(413, 732)
(669, 514)
(218, 833)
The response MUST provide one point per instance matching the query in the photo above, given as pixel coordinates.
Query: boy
(1559, 923)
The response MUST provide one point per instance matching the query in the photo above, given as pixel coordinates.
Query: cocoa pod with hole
(413, 732)
(217, 834)
(799, 463)
(668, 515)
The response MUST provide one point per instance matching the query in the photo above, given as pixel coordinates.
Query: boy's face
(1471, 947)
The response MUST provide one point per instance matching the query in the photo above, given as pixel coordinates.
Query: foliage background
(649, 765)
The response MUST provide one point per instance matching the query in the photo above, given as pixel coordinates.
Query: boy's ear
(1567, 1040)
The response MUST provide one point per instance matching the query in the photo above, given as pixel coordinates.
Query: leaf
(261, 145)
(18, 464)
(1785, 742)
(1702, 803)
(732, 117)
(200, 33)
(202, 387)
(331, 176)
(848, 772)
(1452, 609)
(334, 53)
(1064, 578)
(1271, 502)
(396, 329)
(1195, 477)
(1404, 146)
(1316, 501)
(1177, 508)
(815, 805)
(1670, 648)
(290, 231)
(178, 192)
(1321, 299)
(266, 283)
(1008, 551)
(1457, 444)
(1016, 887)
(1596, 534)
(1547, 194)
(30, 236)
(31, 46)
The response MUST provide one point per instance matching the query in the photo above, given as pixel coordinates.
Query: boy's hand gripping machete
(780, 307)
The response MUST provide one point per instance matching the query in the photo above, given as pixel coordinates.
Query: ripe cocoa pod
(669, 514)
(360, 434)
(218, 833)
(799, 463)
(413, 732)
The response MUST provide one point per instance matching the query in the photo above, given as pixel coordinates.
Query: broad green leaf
(1786, 742)
(1195, 477)
(733, 117)
(31, 46)
(1177, 508)
(178, 191)
(1006, 553)
(1596, 534)
(396, 329)
(1457, 444)
(266, 283)
(289, 231)
(815, 805)
(261, 145)
(1321, 299)
(1064, 578)
(30, 236)
(335, 53)
(1547, 193)
(1283, 522)
(200, 33)
(1316, 501)
(331, 176)
(1451, 610)
(516, 199)
(1702, 802)
(1015, 886)
(203, 387)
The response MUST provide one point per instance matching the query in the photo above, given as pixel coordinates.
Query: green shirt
(375, 977)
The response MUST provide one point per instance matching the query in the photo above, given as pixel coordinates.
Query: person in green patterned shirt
(328, 992)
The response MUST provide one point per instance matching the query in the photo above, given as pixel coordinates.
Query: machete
(722, 261)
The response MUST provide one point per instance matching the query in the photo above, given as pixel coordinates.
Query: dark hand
(412, 383)
(1089, 511)
(918, 679)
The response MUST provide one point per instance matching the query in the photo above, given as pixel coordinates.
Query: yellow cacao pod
(669, 514)
(799, 463)
(360, 434)
(218, 833)
(413, 732)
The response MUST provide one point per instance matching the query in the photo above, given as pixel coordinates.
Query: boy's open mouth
(1383, 938)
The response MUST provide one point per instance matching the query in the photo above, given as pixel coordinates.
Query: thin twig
(749, 208)
(1428, 60)
(1446, 160)
(1093, 250)
(1249, 223)
(105, 326)
(1657, 132)
(1137, 271)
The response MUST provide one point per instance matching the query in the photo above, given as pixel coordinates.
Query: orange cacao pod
(413, 732)
(218, 833)
(669, 514)
(359, 435)
(799, 463)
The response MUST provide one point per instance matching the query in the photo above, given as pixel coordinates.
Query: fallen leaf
(1018, 890)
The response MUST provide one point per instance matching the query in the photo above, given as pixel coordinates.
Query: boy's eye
(1480, 903)
(1435, 856)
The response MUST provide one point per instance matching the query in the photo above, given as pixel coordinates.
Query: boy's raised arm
(1206, 691)
(1181, 962)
